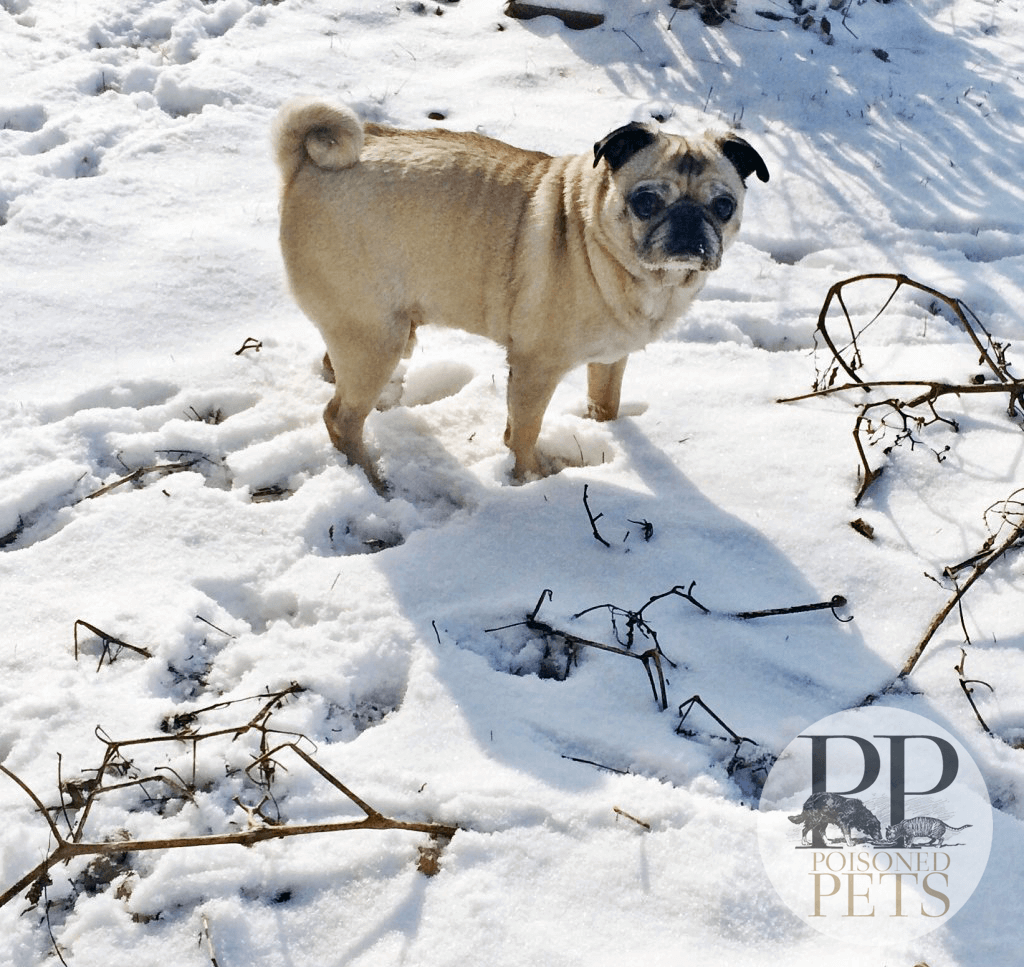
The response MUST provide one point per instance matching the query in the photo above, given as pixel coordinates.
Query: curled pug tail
(331, 136)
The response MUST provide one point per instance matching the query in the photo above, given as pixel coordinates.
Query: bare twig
(761, 763)
(138, 474)
(250, 343)
(837, 601)
(990, 352)
(49, 925)
(624, 814)
(106, 641)
(199, 617)
(981, 563)
(635, 620)
(593, 520)
(697, 700)
(965, 684)
(209, 941)
(646, 528)
(599, 765)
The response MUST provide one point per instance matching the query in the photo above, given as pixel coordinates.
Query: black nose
(690, 232)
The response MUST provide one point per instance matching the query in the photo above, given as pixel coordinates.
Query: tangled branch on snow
(646, 527)
(1011, 525)
(649, 658)
(117, 771)
(915, 407)
(636, 624)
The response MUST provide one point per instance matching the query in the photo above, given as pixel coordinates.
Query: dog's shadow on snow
(765, 678)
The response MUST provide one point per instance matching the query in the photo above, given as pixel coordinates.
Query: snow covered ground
(138, 255)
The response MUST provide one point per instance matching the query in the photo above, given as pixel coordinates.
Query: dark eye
(723, 207)
(645, 203)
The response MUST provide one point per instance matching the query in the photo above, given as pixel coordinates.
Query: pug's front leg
(530, 389)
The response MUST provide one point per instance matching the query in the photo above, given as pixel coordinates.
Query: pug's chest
(655, 309)
(632, 332)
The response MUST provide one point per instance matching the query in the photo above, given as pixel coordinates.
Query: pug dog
(561, 260)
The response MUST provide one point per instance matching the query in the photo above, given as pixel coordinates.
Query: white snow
(138, 247)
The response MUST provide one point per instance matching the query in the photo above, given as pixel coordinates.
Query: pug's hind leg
(604, 389)
(362, 364)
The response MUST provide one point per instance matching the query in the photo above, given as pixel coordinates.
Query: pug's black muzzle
(687, 233)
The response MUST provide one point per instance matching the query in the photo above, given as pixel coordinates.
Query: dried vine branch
(646, 527)
(161, 468)
(107, 641)
(759, 764)
(991, 353)
(650, 657)
(249, 343)
(836, 601)
(687, 707)
(84, 794)
(919, 410)
(965, 684)
(978, 563)
(635, 620)
(593, 518)
(637, 624)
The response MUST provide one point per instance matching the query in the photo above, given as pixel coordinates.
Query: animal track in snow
(27, 117)
(106, 438)
(142, 56)
(173, 28)
(257, 444)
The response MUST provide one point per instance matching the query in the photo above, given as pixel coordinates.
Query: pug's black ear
(744, 158)
(619, 146)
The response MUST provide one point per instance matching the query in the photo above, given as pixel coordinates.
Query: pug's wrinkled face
(680, 199)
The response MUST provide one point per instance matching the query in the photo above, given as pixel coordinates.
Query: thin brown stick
(965, 684)
(599, 765)
(593, 519)
(625, 815)
(69, 849)
(36, 801)
(250, 343)
(697, 700)
(936, 388)
(138, 474)
(837, 601)
(209, 942)
(979, 568)
(66, 850)
(107, 640)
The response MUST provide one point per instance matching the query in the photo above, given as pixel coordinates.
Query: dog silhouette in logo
(921, 827)
(824, 809)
